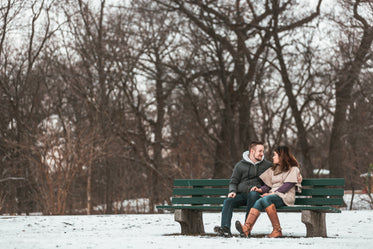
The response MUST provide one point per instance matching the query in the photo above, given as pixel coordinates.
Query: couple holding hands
(260, 185)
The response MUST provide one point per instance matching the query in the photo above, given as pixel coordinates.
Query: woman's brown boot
(249, 223)
(272, 214)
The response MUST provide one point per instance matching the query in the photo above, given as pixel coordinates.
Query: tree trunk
(223, 158)
(89, 184)
(305, 160)
(343, 88)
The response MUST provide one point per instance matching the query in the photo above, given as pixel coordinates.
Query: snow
(318, 172)
(349, 229)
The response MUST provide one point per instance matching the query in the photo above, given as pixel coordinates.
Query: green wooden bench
(192, 197)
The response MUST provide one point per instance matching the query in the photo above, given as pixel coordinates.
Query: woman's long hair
(286, 159)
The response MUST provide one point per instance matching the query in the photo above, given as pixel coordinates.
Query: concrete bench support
(315, 223)
(191, 221)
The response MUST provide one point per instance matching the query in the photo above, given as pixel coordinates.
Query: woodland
(103, 101)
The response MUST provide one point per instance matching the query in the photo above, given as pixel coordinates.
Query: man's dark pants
(241, 199)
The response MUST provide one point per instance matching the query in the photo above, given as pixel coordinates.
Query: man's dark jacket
(246, 175)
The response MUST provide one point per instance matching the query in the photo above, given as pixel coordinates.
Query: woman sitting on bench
(279, 190)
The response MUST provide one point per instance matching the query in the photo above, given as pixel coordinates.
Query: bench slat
(220, 200)
(225, 182)
(224, 191)
(319, 201)
(198, 200)
(325, 209)
(323, 182)
(297, 208)
(201, 182)
(200, 191)
(321, 191)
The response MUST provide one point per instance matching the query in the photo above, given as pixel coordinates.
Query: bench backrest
(213, 192)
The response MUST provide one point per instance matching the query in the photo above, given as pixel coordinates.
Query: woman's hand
(300, 178)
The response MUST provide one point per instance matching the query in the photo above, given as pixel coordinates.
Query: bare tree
(21, 83)
(239, 34)
(348, 76)
(93, 84)
(288, 85)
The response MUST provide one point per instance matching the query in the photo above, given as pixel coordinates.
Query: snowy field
(349, 229)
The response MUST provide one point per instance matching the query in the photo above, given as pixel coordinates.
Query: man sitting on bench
(245, 176)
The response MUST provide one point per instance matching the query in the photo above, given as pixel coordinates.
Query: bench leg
(190, 220)
(315, 223)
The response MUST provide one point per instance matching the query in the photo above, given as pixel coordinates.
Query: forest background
(105, 101)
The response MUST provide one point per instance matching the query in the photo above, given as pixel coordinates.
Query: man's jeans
(247, 199)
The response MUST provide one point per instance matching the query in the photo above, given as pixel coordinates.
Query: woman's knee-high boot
(272, 214)
(249, 223)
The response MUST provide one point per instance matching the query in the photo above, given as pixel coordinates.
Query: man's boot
(249, 223)
(272, 214)
(223, 231)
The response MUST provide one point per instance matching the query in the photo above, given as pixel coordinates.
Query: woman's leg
(268, 200)
(249, 223)
(272, 214)
(270, 203)
(252, 215)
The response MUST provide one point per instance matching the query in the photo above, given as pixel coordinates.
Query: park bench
(192, 197)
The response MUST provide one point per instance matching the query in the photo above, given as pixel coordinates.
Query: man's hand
(231, 195)
(256, 189)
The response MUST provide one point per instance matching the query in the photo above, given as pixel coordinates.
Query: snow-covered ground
(349, 229)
